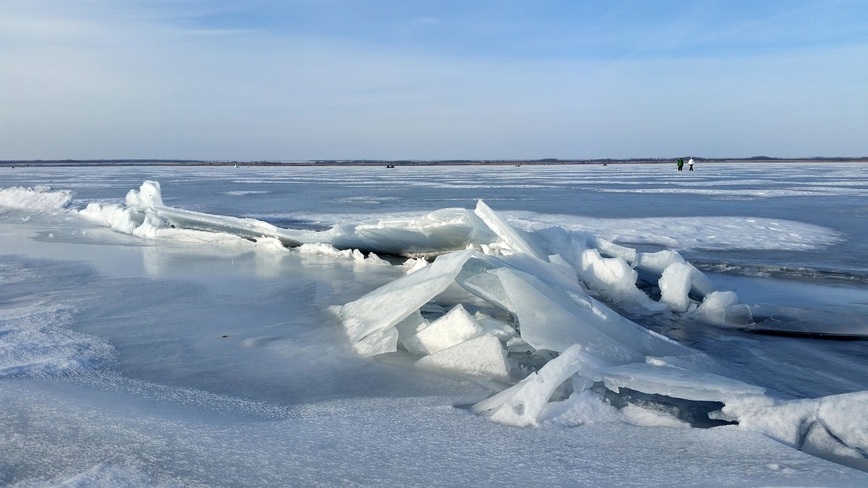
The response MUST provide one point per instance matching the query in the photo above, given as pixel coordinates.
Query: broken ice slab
(455, 327)
(615, 280)
(437, 232)
(515, 239)
(522, 404)
(433, 233)
(480, 357)
(677, 382)
(497, 328)
(386, 306)
(376, 343)
(678, 281)
(528, 401)
(243, 227)
(722, 308)
(554, 319)
(833, 427)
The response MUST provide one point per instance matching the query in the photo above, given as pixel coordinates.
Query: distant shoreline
(399, 162)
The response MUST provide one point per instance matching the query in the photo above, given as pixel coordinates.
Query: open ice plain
(175, 335)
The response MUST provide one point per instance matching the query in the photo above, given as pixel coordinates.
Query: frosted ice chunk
(675, 286)
(657, 262)
(565, 268)
(323, 249)
(379, 342)
(677, 281)
(411, 324)
(270, 244)
(149, 227)
(413, 264)
(582, 407)
(148, 196)
(615, 280)
(37, 198)
(482, 357)
(610, 248)
(832, 427)
(722, 308)
(523, 404)
(495, 327)
(453, 328)
(646, 417)
(119, 219)
(439, 231)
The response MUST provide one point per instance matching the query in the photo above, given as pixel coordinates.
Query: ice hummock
(38, 198)
(555, 295)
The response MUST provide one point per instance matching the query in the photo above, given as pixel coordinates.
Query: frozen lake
(144, 343)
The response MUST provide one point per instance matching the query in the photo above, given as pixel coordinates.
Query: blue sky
(296, 80)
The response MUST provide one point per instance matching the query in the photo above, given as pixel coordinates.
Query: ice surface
(252, 372)
(36, 342)
(35, 338)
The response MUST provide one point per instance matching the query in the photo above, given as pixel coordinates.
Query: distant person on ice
(690, 164)
(680, 163)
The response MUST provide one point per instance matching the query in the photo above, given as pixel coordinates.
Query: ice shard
(677, 382)
(513, 238)
(554, 319)
(482, 357)
(388, 305)
(523, 403)
(455, 327)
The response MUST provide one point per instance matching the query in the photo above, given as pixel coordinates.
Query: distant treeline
(411, 162)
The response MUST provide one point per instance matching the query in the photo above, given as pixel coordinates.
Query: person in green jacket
(680, 163)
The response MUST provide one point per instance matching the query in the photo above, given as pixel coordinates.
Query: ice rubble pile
(38, 198)
(534, 309)
(143, 214)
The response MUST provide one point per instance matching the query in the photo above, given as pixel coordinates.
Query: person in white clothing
(690, 164)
